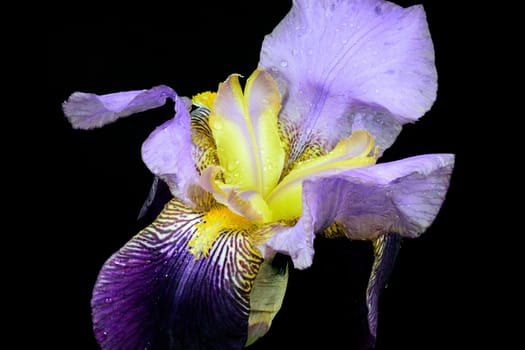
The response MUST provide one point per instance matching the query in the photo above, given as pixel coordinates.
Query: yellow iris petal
(285, 200)
(263, 100)
(244, 127)
(248, 204)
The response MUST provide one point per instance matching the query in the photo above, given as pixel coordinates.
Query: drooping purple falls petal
(343, 65)
(400, 197)
(89, 111)
(386, 248)
(155, 294)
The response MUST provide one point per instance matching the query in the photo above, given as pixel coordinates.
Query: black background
(98, 182)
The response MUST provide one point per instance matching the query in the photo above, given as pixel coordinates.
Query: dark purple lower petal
(154, 294)
(386, 248)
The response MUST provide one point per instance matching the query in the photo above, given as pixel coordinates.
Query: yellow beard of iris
(248, 179)
(216, 220)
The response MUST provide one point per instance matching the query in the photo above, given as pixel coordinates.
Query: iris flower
(265, 164)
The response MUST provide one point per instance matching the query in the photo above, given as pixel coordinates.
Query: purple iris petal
(401, 197)
(348, 62)
(154, 294)
(167, 153)
(89, 111)
(386, 248)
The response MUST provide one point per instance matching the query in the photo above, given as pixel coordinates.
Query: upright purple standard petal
(351, 64)
(167, 153)
(89, 111)
(155, 294)
(401, 197)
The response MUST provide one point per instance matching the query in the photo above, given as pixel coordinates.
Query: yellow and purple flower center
(249, 178)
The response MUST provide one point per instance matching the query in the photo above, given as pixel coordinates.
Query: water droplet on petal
(284, 63)
(230, 167)
(108, 300)
(103, 336)
(217, 124)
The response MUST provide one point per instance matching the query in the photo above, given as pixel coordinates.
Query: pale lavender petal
(89, 111)
(295, 241)
(167, 152)
(400, 197)
(342, 63)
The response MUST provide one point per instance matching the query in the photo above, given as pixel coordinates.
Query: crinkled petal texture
(155, 294)
(401, 197)
(346, 65)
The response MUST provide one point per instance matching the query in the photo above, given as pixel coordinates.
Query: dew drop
(268, 167)
(121, 261)
(217, 124)
(232, 167)
(284, 63)
(108, 300)
(104, 336)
